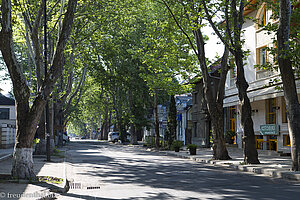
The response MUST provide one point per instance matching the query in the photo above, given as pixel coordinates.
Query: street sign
(179, 117)
(268, 129)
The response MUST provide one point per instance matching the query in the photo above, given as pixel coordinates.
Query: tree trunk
(58, 123)
(172, 122)
(156, 124)
(123, 134)
(22, 166)
(250, 152)
(41, 146)
(214, 97)
(23, 163)
(133, 135)
(107, 129)
(217, 123)
(103, 126)
(51, 125)
(288, 80)
(140, 134)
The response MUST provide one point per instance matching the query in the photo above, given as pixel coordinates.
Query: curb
(6, 157)
(271, 172)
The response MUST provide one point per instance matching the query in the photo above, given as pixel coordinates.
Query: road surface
(100, 170)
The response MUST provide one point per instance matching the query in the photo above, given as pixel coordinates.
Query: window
(262, 56)
(286, 140)
(271, 111)
(4, 113)
(232, 111)
(259, 142)
(233, 73)
(232, 114)
(262, 20)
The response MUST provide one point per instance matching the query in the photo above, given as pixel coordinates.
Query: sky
(5, 85)
(212, 48)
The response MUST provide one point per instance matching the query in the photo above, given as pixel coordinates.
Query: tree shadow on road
(134, 166)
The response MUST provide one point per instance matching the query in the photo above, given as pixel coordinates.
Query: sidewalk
(271, 164)
(24, 190)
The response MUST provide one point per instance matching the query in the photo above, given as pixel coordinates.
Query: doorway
(272, 142)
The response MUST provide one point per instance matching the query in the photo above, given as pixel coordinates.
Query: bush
(229, 135)
(191, 146)
(177, 143)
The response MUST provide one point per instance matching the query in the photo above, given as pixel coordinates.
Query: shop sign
(268, 129)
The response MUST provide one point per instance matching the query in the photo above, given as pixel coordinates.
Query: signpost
(268, 129)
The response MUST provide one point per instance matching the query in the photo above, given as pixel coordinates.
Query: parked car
(114, 136)
(66, 138)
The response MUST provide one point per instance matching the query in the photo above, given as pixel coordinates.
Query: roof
(184, 98)
(6, 100)
(214, 67)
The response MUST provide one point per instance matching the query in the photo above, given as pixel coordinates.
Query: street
(100, 170)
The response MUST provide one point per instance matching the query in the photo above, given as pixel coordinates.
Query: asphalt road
(108, 171)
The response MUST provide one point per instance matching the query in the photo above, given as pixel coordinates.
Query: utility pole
(48, 152)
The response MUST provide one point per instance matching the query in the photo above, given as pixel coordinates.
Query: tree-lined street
(137, 73)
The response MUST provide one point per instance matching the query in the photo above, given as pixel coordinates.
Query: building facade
(267, 99)
(149, 133)
(200, 117)
(184, 122)
(7, 122)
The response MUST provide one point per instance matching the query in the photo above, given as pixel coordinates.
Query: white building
(149, 134)
(268, 106)
(7, 122)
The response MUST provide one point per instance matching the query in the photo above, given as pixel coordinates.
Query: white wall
(254, 38)
(249, 37)
(259, 117)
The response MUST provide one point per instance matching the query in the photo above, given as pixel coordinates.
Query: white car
(114, 136)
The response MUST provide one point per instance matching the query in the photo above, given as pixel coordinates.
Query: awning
(254, 95)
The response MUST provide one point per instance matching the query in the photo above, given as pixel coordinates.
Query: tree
(116, 91)
(191, 27)
(28, 115)
(233, 12)
(172, 122)
(165, 57)
(288, 80)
